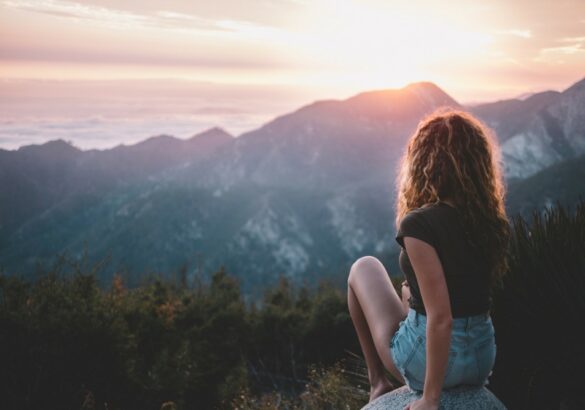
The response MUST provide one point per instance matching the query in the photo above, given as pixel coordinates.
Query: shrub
(539, 313)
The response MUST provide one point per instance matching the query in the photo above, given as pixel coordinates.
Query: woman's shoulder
(430, 214)
(416, 223)
(420, 213)
(435, 209)
(430, 217)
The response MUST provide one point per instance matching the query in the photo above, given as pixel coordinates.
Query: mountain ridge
(302, 195)
(212, 132)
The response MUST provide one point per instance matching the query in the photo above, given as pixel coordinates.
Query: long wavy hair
(454, 155)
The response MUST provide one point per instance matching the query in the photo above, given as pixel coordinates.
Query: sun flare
(388, 47)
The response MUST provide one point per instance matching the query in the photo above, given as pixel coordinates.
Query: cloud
(102, 114)
(572, 39)
(75, 10)
(13, 52)
(106, 132)
(516, 32)
(575, 47)
(240, 43)
(571, 49)
(115, 18)
(188, 44)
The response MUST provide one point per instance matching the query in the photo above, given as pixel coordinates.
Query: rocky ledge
(473, 398)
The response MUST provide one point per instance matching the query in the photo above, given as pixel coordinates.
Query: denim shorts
(472, 352)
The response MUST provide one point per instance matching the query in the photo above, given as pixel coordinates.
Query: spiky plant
(539, 313)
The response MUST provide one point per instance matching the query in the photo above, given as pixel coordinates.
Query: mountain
(326, 143)
(561, 182)
(153, 156)
(37, 177)
(303, 195)
(537, 132)
(510, 117)
(33, 178)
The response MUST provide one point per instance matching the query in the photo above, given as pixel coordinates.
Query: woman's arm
(433, 288)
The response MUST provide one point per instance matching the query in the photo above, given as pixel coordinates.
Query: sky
(104, 72)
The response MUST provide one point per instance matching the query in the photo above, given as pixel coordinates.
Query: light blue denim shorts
(472, 353)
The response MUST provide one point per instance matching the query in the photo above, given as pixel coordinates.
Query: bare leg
(379, 384)
(376, 311)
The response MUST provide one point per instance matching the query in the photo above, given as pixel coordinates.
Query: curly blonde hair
(454, 155)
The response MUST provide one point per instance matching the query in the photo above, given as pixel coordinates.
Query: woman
(453, 232)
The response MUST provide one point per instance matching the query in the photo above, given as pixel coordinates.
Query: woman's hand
(405, 295)
(422, 404)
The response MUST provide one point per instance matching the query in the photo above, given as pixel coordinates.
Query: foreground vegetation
(68, 343)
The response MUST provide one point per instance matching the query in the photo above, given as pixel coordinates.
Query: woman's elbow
(443, 321)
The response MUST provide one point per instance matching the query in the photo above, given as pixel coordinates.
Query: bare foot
(380, 388)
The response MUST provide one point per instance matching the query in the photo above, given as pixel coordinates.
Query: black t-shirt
(467, 276)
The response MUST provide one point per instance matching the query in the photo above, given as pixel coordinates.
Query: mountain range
(301, 196)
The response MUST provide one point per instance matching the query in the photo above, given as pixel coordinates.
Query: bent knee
(362, 265)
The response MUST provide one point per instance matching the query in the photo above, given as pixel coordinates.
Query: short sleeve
(413, 224)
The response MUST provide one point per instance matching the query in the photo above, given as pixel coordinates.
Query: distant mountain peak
(60, 142)
(411, 95)
(160, 137)
(57, 145)
(57, 142)
(431, 90)
(579, 86)
(544, 97)
(155, 141)
(216, 132)
(425, 85)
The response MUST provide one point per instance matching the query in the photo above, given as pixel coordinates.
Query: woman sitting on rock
(453, 232)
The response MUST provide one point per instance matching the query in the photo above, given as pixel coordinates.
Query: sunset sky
(134, 67)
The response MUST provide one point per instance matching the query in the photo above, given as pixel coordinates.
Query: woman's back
(467, 276)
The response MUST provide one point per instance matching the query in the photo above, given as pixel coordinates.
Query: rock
(468, 398)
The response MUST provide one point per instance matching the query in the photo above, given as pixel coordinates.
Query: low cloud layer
(102, 114)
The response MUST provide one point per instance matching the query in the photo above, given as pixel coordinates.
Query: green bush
(67, 343)
(539, 313)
